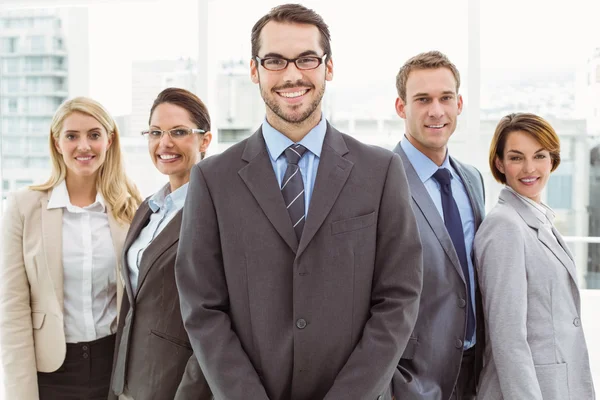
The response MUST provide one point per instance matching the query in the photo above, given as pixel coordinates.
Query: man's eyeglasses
(177, 133)
(280, 63)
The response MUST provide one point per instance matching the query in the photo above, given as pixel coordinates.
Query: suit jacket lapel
(165, 239)
(259, 177)
(477, 207)
(52, 238)
(332, 174)
(140, 220)
(423, 200)
(557, 247)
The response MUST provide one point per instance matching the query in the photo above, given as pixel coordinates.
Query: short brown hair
(428, 60)
(536, 126)
(292, 13)
(189, 102)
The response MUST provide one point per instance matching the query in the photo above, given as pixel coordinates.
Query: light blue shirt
(164, 206)
(425, 169)
(277, 142)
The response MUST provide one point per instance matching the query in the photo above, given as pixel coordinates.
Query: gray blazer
(434, 353)
(153, 356)
(535, 348)
(324, 318)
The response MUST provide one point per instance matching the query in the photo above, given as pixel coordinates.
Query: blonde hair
(119, 192)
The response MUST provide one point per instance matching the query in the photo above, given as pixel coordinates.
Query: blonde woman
(59, 279)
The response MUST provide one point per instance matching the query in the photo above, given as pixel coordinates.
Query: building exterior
(240, 107)
(35, 74)
(148, 79)
(593, 92)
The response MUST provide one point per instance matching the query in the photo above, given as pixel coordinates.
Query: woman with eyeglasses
(60, 287)
(154, 358)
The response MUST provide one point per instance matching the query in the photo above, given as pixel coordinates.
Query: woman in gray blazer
(154, 358)
(535, 347)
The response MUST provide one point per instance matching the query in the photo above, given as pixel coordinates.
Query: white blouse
(89, 263)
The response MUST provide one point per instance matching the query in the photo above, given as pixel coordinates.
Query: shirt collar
(542, 211)
(171, 200)
(423, 165)
(277, 142)
(60, 199)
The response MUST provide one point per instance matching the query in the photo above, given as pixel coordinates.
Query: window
(12, 105)
(11, 65)
(37, 44)
(14, 162)
(34, 64)
(39, 162)
(58, 43)
(39, 125)
(560, 191)
(233, 135)
(33, 84)
(58, 63)
(9, 45)
(39, 145)
(10, 85)
(20, 183)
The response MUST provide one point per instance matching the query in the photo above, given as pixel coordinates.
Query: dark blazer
(153, 355)
(434, 352)
(325, 318)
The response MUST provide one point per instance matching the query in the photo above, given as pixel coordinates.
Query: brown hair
(537, 127)
(189, 102)
(292, 13)
(429, 60)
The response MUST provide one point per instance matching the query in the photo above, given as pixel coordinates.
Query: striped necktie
(292, 188)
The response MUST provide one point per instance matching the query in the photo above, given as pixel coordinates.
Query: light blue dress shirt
(164, 206)
(425, 169)
(277, 142)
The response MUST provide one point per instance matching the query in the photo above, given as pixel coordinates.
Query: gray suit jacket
(325, 318)
(153, 355)
(535, 348)
(434, 353)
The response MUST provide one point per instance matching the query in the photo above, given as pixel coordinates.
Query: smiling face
(292, 96)
(83, 143)
(525, 164)
(431, 109)
(175, 157)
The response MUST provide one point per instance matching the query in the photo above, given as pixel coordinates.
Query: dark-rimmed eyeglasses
(177, 133)
(280, 63)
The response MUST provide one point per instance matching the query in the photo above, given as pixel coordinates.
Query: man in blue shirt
(445, 350)
(303, 281)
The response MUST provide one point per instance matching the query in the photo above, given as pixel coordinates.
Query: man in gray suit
(444, 353)
(299, 265)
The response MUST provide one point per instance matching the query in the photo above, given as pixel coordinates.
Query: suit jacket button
(301, 323)
(458, 344)
(379, 397)
(577, 321)
(462, 303)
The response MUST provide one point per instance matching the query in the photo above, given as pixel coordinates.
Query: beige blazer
(536, 348)
(32, 336)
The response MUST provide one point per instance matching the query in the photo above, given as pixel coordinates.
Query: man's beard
(294, 118)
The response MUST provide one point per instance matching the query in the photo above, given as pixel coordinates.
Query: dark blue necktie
(455, 229)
